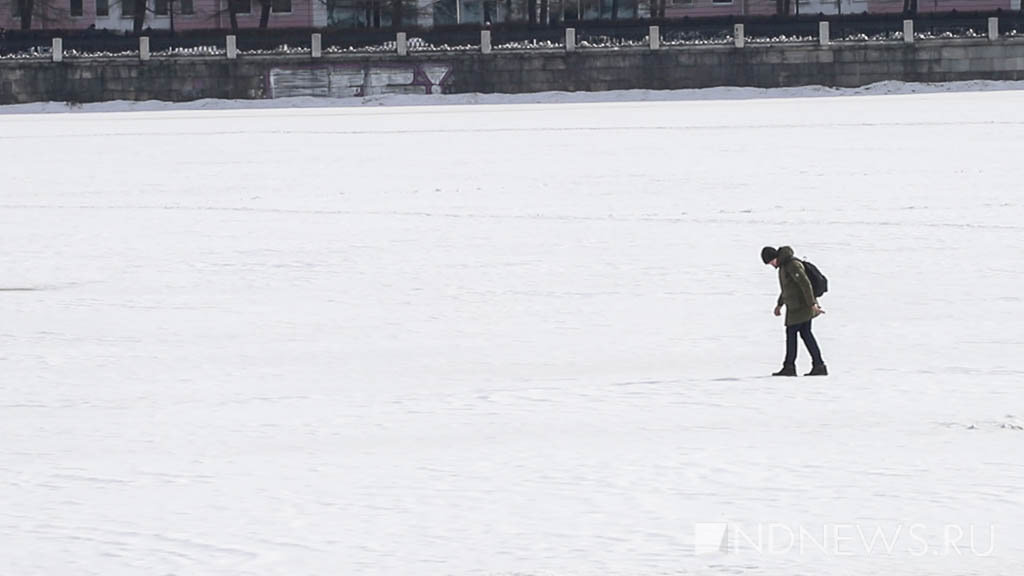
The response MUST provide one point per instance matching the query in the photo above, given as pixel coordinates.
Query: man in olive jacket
(801, 307)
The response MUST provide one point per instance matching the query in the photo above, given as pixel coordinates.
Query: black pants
(804, 330)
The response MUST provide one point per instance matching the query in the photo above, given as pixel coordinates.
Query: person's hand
(778, 310)
(817, 310)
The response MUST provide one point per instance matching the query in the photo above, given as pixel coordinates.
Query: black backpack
(819, 283)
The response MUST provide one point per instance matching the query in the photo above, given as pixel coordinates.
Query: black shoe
(787, 370)
(818, 370)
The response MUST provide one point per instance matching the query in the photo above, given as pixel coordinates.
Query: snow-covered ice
(511, 339)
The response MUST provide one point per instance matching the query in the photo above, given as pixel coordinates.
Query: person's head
(770, 256)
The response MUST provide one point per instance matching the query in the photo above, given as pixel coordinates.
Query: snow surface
(720, 93)
(510, 339)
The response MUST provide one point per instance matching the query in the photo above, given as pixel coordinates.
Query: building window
(16, 8)
(187, 7)
(241, 6)
(76, 7)
(281, 6)
(722, 1)
(682, 2)
(102, 8)
(128, 8)
(161, 7)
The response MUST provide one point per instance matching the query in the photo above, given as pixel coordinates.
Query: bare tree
(170, 12)
(166, 8)
(136, 10)
(29, 11)
(233, 9)
(24, 9)
(139, 16)
(397, 13)
(265, 7)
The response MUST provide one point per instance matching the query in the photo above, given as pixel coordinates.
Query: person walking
(801, 308)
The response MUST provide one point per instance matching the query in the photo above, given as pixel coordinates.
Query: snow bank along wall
(847, 64)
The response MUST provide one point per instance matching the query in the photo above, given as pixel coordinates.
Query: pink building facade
(699, 8)
(214, 15)
(702, 8)
(187, 14)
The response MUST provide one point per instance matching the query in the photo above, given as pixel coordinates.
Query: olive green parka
(797, 294)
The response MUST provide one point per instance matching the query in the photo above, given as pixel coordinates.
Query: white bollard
(739, 37)
(823, 35)
(993, 28)
(570, 39)
(908, 31)
(144, 48)
(485, 41)
(402, 44)
(654, 36)
(58, 49)
(232, 47)
(316, 47)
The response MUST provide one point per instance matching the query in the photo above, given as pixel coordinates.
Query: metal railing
(510, 36)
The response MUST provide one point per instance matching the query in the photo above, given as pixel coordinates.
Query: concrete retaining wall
(255, 77)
